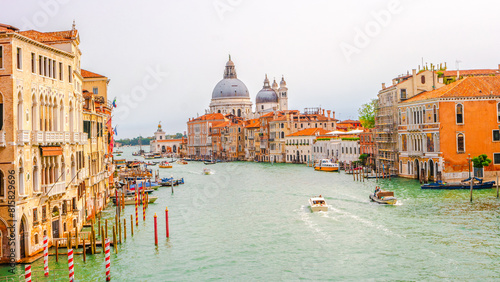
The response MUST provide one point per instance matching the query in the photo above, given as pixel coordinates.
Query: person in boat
(377, 189)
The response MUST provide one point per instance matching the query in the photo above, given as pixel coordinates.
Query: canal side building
(439, 129)
(41, 137)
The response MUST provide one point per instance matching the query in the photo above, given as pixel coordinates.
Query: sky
(165, 57)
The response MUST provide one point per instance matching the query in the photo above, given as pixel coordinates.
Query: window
(36, 239)
(434, 112)
(422, 79)
(70, 75)
(40, 65)
(403, 94)
(60, 71)
(44, 212)
(74, 203)
(54, 69)
(2, 185)
(460, 143)
(19, 58)
(95, 90)
(44, 66)
(64, 207)
(460, 113)
(496, 158)
(1, 57)
(86, 127)
(33, 63)
(496, 135)
(35, 216)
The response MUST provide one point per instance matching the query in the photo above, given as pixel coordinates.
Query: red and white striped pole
(70, 265)
(166, 219)
(143, 206)
(46, 255)
(136, 213)
(156, 231)
(107, 260)
(27, 273)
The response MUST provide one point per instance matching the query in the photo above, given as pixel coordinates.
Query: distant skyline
(165, 57)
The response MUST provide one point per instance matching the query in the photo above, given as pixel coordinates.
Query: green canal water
(251, 221)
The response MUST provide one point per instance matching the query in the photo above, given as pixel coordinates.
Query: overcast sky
(165, 57)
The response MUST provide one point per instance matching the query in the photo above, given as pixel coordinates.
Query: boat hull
(456, 186)
(316, 208)
(326, 168)
(165, 166)
(386, 201)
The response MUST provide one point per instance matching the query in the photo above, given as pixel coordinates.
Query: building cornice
(36, 43)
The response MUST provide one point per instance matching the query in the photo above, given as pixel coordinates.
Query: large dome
(230, 88)
(266, 95)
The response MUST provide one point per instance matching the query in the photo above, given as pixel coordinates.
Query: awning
(51, 151)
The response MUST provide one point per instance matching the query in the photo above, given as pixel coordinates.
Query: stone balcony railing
(23, 136)
(54, 189)
(3, 143)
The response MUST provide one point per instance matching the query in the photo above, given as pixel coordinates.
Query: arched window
(408, 167)
(434, 112)
(460, 143)
(36, 178)
(460, 113)
(19, 111)
(1, 111)
(2, 185)
(21, 179)
(498, 111)
(239, 112)
(422, 79)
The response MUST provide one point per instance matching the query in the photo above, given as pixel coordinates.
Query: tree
(367, 114)
(481, 161)
(363, 158)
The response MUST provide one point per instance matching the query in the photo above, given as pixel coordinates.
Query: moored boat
(131, 200)
(383, 197)
(146, 185)
(318, 204)
(326, 165)
(465, 184)
(182, 162)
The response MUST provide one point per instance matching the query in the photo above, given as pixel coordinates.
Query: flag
(116, 133)
(108, 125)
(114, 102)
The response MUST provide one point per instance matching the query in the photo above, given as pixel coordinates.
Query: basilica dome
(230, 88)
(267, 94)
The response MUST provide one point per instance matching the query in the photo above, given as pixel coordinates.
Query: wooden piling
(114, 240)
(120, 231)
(103, 239)
(99, 225)
(106, 229)
(471, 187)
(76, 237)
(497, 185)
(94, 242)
(124, 229)
(57, 251)
(84, 251)
(131, 225)
(68, 240)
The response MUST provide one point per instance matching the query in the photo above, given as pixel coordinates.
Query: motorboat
(131, 200)
(171, 181)
(165, 164)
(318, 204)
(464, 184)
(207, 171)
(327, 165)
(182, 162)
(383, 197)
(145, 184)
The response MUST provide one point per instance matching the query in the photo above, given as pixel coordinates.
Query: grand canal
(250, 221)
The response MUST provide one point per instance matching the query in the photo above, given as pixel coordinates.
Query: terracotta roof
(216, 116)
(89, 74)
(47, 37)
(224, 124)
(7, 28)
(472, 72)
(310, 132)
(471, 86)
(168, 140)
(350, 121)
(253, 123)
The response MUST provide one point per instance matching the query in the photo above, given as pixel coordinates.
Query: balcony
(414, 127)
(94, 140)
(75, 137)
(53, 137)
(3, 143)
(23, 136)
(37, 137)
(54, 189)
(67, 137)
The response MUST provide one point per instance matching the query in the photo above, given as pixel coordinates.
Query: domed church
(231, 95)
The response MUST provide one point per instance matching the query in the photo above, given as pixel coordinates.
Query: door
(22, 246)
(55, 229)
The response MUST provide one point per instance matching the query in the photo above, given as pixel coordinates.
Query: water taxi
(207, 171)
(165, 165)
(182, 162)
(327, 165)
(383, 197)
(318, 204)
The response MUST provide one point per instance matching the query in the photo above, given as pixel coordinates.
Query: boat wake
(307, 217)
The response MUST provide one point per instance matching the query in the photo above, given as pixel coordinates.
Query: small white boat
(318, 204)
(207, 171)
(326, 165)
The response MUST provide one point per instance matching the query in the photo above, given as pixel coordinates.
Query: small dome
(230, 88)
(275, 84)
(266, 95)
(283, 82)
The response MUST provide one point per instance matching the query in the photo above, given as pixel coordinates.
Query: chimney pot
(383, 85)
(413, 72)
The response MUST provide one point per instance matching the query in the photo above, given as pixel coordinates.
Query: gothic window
(422, 79)
(498, 113)
(460, 113)
(460, 143)
(434, 112)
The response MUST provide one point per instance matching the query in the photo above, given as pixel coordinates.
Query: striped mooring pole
(70, 266)
(27, 273)
(107, 260)
(46, 255)
(136, 213)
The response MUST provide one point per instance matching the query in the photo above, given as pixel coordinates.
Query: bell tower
(283, 95)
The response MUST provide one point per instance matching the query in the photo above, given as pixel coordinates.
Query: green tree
(367, 114)
(363, 158)
(481, 161)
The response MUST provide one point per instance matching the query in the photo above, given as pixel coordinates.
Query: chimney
(333, 114)
(394, 82)
(498, 66)
(329, 112)
(323, 112)
(383, 85)
(414, 72)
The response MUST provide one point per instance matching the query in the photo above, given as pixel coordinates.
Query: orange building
(439, 129)
(199, 140)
